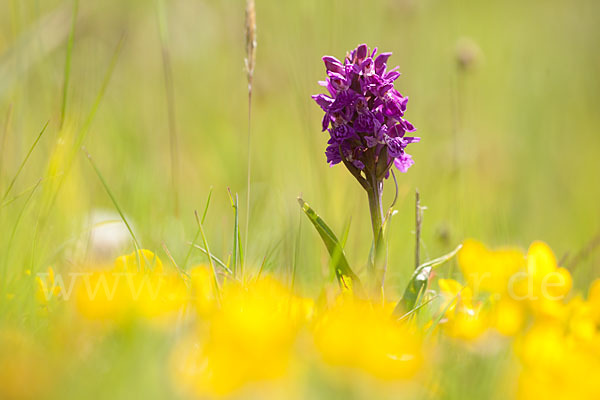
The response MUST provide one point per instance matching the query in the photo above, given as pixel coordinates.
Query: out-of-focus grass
(523, 122)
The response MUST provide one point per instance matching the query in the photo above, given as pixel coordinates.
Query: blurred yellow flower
(137, 286)
(488, 270)
(249, 339)
(508, 315)
(543, 285)
(360, 334)
(47, 288)
(557, 365)
(24, 367)
(464, 318)
(203, 290)
(516, 284)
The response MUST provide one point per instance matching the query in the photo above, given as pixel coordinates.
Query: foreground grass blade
(436, 322)
(236, 236)
(170, 95)
(418, 283)
(417, 308)
(67, 72)
(210, 259)
(82, 133)
(14, 179)
(9, 247)
(112, 198)
(215, 258)
(342, 269)
(187, 257)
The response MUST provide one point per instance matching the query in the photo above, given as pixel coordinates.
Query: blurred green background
(509, 151)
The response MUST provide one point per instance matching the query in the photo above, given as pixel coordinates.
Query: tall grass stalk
(14, 179)
(3, 141)
(170, 93)
(83, 131)
(113, 199)
(250, 62)
(9, 246)
(67, 72)
(187, 256)
(418, 222)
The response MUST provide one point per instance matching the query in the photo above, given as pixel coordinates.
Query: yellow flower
(463, 318)
(560, 354)
(363, 335)
(136, 286)
(488, 270)
(203, 289)
(141, 261)
(517, 284)
(543, 285)
(47, 288)
(249, 339)
(594, 299)
(557, 365)
(508, 316)
(25, 371)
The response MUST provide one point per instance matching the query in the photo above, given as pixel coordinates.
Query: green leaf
(236, 234)
(418, 283)
(187, 257)
(346, 278)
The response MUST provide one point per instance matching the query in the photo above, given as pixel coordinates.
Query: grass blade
(168, 253)
(236, 228)
(417, 308)
(83, 131)
(214, 258)
(112, 198)
(24, 192)
(296, 251)
(14, 230)
(3, 140)
(210, 259)
(187, 257)
(67, 73)
(170, 94)
(12, 183)
(338, 259)
(437, 321)
(418, 283)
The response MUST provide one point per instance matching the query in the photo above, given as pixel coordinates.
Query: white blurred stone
(108, 236)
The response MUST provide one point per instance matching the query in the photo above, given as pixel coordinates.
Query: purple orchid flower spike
(364, 116)
(363, 99)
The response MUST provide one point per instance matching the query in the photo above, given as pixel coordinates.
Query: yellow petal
(540, 260)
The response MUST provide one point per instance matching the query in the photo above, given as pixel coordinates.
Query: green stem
(375, 193)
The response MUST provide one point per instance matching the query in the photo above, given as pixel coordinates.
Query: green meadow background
(510, 149)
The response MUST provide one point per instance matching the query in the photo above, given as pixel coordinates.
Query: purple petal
(371, 141)
(361, 52)
(325, 122)
(367, 65)
(333, 155)
(323, 101)
(396, 131)
(333, 64)
(410, 139)
(380, 62)
(408, 127)
(392, 76)
(404, 162)
(358, 164)
(395, 146)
